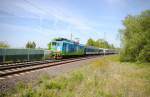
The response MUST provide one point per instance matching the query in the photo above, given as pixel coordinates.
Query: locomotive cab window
(54, 43)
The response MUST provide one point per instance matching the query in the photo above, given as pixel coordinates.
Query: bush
(136, 38)
(144, 55)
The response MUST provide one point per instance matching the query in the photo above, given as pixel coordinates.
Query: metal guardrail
(9, 55)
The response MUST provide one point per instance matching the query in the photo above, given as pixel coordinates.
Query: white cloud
(30, 9)
(117, 3)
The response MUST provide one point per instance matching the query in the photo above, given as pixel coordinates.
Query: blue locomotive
(62, 47)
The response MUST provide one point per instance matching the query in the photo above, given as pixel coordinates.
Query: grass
(105, 77)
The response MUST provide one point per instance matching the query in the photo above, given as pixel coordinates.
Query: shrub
(136, 38)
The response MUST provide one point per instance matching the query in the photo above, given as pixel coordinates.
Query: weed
(53, 85)
(77, 76)
(105, 77)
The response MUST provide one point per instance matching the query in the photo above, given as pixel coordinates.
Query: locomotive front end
(56, 49)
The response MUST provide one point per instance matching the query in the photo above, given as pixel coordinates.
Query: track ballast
(12, 69)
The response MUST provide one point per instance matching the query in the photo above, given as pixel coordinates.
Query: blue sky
(43, 20)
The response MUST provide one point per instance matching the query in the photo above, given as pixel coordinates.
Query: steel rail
(41, 66)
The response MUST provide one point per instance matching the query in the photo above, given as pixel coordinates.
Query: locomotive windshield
(54, 43)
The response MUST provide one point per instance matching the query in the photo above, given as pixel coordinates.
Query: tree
(112, 46)
(135, 38)
(100, 43)
(4, 45)
(49, 46)
(31, 45)
(90, 42)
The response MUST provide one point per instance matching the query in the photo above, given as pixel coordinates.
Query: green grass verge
(104, 77)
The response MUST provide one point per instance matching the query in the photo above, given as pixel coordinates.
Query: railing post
(4, 56)
(28, 54)
(44, 55)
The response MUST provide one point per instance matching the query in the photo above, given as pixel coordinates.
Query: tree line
(100, 43)
(4, 45)
(29, 44)
(135, 37)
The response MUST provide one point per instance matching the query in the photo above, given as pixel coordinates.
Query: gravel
(10, 82)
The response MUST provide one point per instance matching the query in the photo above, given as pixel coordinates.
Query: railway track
(12, 69)
(25, 64)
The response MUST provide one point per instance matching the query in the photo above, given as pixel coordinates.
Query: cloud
(117, 3)
(37, 31)
(9, 28)
(34, 9)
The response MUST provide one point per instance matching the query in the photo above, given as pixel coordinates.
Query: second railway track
(20, 68)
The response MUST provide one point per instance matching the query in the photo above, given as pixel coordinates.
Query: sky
(42, 20)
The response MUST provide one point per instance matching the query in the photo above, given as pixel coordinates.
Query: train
(62, 47)
(59, 48)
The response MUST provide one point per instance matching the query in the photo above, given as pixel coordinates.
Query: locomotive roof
(65, 40)
(61, 39)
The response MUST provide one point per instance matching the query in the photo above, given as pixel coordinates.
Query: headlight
(58, 49)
